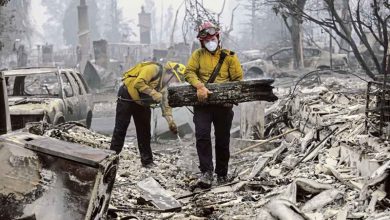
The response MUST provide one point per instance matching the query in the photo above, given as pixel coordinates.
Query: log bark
(222, 93)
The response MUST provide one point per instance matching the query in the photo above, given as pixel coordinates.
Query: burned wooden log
(230, 92)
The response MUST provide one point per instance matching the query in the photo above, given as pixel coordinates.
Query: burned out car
(53, 95)
(312, 58)
(283, 60)
(257, 68)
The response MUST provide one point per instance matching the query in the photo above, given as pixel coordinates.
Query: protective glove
(202, 92)
(156, 96)
(173, 127)
(171, 124)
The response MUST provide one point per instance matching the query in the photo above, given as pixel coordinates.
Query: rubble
(319, 163)
(328, 184)
(71, 132)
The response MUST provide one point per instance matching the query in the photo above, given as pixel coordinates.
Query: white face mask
(211, 45)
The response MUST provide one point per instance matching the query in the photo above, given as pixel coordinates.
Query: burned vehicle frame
(312, 58)
(283, 59)
(53, 95)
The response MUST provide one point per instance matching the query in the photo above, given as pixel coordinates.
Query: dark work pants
(221, 118)
(141, 115)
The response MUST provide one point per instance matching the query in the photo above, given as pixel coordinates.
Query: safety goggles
(208, 32)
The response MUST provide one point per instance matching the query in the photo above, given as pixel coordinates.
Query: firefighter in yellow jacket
(143, 85)
(200, 67)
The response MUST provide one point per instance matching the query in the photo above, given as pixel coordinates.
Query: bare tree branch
(336, 19)
(374, 22)
(374, 34)
(363, 38)
(333, 36)
(232, 20)
(379, 27)
(220, 13)
(174, 25)
(285, 20)
(3, 2)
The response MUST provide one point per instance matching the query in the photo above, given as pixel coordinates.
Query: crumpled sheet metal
(152, 191)
(57, 183)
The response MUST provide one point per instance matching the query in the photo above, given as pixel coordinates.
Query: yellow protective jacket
(147, 80)
(202, 63)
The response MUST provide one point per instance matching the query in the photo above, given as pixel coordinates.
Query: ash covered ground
(323, 164)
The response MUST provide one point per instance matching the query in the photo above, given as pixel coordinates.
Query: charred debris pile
(321, 159)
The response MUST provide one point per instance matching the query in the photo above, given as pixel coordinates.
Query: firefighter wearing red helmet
(200, 68)
(206, 32)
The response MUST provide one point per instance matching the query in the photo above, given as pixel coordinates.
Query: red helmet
(207, 30)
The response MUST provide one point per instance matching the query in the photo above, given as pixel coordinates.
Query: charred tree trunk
(171, 39)
(293, 22)
(344, 45)
(231, 92)
(296, 38)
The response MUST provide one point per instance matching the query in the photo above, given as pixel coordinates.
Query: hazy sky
(38, 14)
(131, 8)
(135, 5)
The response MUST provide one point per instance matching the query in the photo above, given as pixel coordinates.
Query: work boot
(205, 180)
(222, 180)
(149, 165)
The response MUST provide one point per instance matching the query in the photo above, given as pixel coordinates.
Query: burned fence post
(5, 121)
(378, 116)
(47, 54)
(22, 56)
